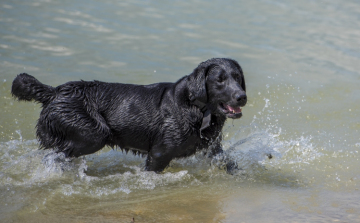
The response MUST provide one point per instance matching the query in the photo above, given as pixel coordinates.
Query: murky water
(301, 61)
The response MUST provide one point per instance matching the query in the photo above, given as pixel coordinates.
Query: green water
(301, 61)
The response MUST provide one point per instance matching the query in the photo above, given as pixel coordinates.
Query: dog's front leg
(215, 148)
(157, 160)
(221, 157)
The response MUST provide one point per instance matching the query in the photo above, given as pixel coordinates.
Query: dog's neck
(206, 114)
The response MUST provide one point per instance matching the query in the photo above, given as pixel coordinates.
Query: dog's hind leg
(84, 145)
(72, 129)
(73, 142)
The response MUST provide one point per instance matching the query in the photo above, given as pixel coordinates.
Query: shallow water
(301, 61)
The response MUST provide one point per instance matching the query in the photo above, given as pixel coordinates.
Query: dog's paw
(232, 167)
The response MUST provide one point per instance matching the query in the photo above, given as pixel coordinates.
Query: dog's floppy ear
(243, 86)
(197, 82)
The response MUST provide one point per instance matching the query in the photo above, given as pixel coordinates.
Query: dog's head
(220, 84)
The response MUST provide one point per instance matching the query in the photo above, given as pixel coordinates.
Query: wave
(112, 171)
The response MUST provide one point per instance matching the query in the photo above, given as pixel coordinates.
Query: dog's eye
(238, 79)
(221, 78)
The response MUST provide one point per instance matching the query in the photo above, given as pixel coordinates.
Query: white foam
(111, 172)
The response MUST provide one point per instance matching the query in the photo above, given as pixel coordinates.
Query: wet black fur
(159, 120)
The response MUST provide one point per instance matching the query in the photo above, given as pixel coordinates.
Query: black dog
(163, 120)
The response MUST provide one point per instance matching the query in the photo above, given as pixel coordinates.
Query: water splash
(256, 149)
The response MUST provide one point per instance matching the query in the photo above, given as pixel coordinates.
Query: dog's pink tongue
(234, 110)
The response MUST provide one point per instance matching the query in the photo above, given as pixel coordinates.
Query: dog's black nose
(241, 97)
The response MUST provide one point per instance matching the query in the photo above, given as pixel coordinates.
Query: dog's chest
(196, 142)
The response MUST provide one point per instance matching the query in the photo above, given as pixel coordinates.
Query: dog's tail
(26, 87)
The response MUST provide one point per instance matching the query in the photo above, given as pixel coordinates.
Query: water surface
(301, 61)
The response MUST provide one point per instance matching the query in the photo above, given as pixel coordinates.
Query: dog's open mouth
(231, 111)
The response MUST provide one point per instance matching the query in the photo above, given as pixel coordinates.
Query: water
(301, 61)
